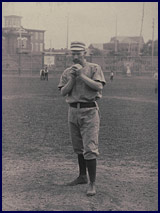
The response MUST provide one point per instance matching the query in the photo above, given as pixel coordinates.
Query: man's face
(78, 57)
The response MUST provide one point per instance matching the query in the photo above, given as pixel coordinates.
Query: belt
(83, 104)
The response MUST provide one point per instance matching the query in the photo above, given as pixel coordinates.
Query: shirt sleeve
(98, 75)
(63, 80)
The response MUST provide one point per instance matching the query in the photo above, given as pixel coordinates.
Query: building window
(14, 22)
(37, 47)
(19, 42)
(36, 35)
(31, 47)
(24, 42)
(32, 36)
(41, 36)
(41, 47)
(9, 22)
(17, 23)
(6, 24)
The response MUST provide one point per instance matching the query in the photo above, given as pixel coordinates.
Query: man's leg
(82, 164)
(91, 165)
(82, 178)
(78, 148)
(90, 132)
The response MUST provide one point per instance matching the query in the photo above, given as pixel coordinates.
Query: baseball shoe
(82, 179)
(91, 190)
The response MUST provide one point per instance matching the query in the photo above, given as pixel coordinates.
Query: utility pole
(66, 52)
(31, 58)
(20, 49)
(115, 57)
(50, 58)
(152, 44)
(140, 40)
(116, 37)
(67, 30)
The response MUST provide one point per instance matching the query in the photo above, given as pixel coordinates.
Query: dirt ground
(37, 156)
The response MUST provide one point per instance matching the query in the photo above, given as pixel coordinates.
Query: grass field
(37, 156)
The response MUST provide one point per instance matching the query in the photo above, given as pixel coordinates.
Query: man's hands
(76, 70)
(73, 73)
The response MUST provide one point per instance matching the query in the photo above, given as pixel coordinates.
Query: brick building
(22, 49)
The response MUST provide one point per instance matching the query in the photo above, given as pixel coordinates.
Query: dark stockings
(82, 164)
(91, 165)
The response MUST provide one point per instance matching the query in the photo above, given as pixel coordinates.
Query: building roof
(13, 16)
(35, 30)
(14, 31)
(127, 39)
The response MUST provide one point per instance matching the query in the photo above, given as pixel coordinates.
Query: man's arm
(68, 87)
(95, 85)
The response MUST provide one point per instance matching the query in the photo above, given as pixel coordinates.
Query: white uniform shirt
(80, 91)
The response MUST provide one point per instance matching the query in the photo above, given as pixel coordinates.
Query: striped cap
(77, 46)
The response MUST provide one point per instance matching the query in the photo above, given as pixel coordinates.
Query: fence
(138, 65)
(28, 63)
(118, 64)
(22, 63)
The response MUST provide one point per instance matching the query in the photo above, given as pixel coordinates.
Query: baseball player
(111, 76)
(82, 86)
(46, 73)
(42, 75)
(156, 82)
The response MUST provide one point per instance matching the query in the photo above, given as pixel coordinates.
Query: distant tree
(97, 52)
(111, 53)
(147, 48)
(156, 47)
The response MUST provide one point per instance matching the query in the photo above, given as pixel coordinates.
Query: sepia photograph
(80, 106)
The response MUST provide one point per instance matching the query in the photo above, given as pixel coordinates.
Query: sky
(89, 22)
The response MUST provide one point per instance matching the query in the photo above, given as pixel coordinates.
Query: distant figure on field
(42, 74)
(46, 73)
(156, 82)
(111, 76)
(128, 70)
